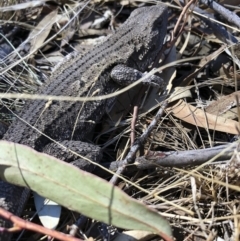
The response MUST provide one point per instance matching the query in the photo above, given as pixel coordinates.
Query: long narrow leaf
(77, 190)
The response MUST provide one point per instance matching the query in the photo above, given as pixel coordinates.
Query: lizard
(133, 47)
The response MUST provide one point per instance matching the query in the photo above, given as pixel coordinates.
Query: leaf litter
(200, 201)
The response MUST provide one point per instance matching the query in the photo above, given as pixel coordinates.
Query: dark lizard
(132, 48)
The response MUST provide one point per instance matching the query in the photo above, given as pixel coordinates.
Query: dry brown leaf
(200, 118)
(231, 114)
(180, 93)
(41, 31)
(20, 6)
(223, 104)
(204, 61)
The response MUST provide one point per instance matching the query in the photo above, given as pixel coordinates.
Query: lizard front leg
(124, 75)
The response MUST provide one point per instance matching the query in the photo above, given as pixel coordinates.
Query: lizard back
(136, 44)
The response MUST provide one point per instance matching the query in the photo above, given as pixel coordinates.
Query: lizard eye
(159, 23)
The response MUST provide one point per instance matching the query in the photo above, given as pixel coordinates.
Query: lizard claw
(154, 81)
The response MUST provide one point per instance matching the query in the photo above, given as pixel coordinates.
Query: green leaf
(77, 190)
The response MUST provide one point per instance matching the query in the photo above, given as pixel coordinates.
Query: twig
(180, 18)
(132, 153)
(133, 123)
(175, 158)
(23, 224)
(227, 14)
(217, 29)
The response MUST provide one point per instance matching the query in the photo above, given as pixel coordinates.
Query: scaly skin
(135, 44)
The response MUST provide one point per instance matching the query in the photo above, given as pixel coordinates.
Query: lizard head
(150, 27)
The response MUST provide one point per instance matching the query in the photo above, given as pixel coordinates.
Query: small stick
(135, 147)
(23, 224)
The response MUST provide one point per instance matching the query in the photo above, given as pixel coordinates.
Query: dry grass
(203, 202)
